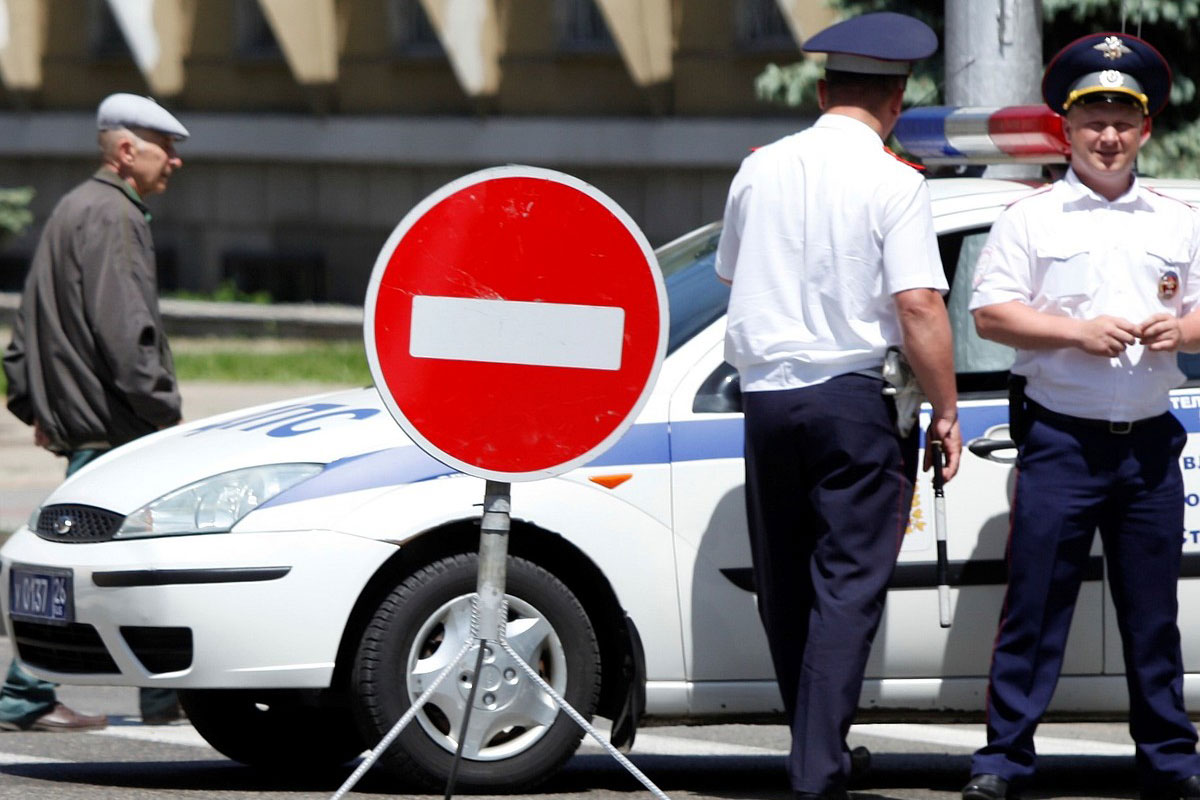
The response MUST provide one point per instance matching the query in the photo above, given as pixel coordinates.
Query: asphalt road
(131, 761)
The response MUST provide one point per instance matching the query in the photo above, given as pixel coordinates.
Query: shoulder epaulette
(902, 160)
(1042, 190)
(1154, 191)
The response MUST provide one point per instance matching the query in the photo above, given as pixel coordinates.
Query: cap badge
(1112, 47)
(1112, 78)
(1168, 285)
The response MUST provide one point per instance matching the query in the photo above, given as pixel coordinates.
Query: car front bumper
(231, 610)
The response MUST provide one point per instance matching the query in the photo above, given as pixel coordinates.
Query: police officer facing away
(89, 366)
(830, 249)
(1095, 281)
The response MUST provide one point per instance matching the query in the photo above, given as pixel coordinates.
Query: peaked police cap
(883, 43)
(1107, 67)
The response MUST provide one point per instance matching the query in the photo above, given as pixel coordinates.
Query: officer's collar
(1082, 190)
(848, 124)
(113, 179)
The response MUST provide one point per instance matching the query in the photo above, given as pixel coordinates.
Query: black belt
(1123, 427)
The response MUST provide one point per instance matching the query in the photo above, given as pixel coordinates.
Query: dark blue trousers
(1073, 480)
(829, 486)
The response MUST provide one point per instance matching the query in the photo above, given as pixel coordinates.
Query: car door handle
(986, 447)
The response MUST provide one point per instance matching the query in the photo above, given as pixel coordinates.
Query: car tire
(518, 736)
(273, 728)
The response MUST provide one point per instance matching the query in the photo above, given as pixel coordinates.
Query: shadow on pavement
(733, 777)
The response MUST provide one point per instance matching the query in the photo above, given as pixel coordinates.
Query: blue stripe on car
(642, 445)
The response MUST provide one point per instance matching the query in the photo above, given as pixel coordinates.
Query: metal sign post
(487, 628)
(539, 288)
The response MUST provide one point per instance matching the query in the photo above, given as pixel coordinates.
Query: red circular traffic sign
(514, 323)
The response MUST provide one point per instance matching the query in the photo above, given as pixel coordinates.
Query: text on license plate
(41, 593)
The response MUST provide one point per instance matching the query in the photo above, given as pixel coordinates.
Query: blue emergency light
(965, 135)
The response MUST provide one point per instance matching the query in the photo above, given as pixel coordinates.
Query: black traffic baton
(939, 521)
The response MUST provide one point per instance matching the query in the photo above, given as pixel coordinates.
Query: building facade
(317, 124)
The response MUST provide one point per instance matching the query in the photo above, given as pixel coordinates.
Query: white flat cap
(124, 110)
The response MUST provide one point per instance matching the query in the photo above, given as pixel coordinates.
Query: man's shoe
(172, 714)
(1182, 790)
(58, 719)
(828, 794)
(985, 787)
(860, 761)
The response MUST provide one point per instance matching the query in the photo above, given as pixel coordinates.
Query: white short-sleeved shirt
(1069, 252)
(821, 228)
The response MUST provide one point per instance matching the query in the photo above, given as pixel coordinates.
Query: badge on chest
(1168, 285)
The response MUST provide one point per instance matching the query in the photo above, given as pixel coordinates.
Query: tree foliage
(15, 215)
(1172, 26)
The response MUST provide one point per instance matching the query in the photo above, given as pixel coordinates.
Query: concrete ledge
(203, 318)
(454, 142)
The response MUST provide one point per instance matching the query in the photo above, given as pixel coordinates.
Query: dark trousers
(1072, 480)
(828, 490)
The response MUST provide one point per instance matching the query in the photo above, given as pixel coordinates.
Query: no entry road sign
(514, 323)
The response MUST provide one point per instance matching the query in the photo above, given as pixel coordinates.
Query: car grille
(160, 649)
(75, 523)
(74, 648)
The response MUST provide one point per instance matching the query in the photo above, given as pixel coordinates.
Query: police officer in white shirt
(1095, 282)
(829, 246)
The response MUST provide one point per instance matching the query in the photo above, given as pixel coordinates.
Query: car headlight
(215, 504)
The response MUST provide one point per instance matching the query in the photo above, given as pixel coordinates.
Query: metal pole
(489, 602)
(993, 53)
(493, 560)
(489, 625)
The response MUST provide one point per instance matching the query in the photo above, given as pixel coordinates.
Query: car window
(696, 297)
(972, 354)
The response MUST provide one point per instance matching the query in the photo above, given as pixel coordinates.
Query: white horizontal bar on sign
(517, 332)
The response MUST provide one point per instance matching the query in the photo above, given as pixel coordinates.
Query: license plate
(43, 594)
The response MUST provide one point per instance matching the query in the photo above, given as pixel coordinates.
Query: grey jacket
(89, 359)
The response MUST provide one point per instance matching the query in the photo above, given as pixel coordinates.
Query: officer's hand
(1162, 332)
(947, 432)
(1107, 336)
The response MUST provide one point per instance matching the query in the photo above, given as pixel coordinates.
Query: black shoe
(1181, 790)
(828, 794)
(860, 761)
(985, 787)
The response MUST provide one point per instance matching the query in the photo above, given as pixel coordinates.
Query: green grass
(271, 361)
(267, 361)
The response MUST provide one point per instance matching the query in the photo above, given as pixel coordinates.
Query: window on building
(760, 26)
(288, 276)
(253, 37)
(410, 31)
(582, 28)
(106, 41)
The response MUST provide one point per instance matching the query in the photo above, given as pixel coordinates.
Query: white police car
(301, 570)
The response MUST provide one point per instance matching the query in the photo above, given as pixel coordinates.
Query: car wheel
(517, 735)
(272, 728)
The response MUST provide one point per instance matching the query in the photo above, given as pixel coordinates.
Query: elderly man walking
(89, 366)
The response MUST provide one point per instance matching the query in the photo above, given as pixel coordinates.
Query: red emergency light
(953, 135)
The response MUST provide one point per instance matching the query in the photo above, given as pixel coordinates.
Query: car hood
(338, 427)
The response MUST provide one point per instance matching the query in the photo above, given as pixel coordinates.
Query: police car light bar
(953, 135)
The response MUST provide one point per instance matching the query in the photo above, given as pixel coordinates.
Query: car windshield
(697, 298)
